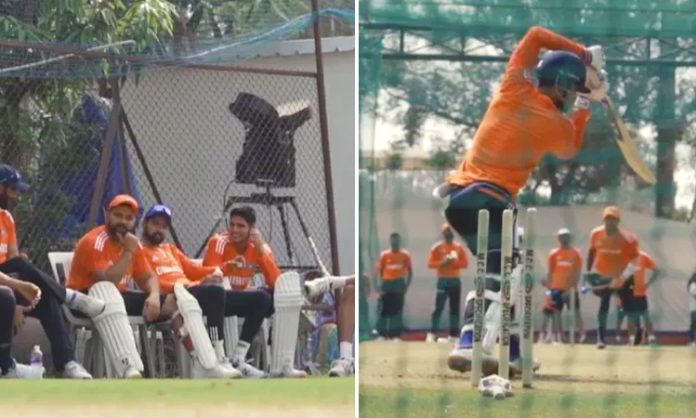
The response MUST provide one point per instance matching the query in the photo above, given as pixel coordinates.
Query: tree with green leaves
(38, 131)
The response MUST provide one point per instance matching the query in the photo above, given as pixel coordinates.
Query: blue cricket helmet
(563, 69)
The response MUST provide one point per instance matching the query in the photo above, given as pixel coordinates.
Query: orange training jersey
(612, 254)
(564, 266)
(451, 269)
(643, 263)
(521, 125)
(8, 234)
(221, 251)
(171, 266)
(97, 252)
(394, 265)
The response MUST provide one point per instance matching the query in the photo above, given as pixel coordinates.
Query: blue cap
(9, 176)
(159, 210)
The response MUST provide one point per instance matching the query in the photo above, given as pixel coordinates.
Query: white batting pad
(191, 311)
(114, 329)
(288, 300)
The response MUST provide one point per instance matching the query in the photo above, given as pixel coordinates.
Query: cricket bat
(628, 146)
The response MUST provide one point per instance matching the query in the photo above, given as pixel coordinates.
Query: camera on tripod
(268, 153)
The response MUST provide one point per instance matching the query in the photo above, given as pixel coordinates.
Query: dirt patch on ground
(566, 369)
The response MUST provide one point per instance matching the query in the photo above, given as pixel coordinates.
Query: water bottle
(36, 363)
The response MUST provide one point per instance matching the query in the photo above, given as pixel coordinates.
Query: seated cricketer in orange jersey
(394, 270)
(33, 293)
(241, 253)
(609, 261)
(106, 260)
(171, 266)
(447, 258)
(525, 121)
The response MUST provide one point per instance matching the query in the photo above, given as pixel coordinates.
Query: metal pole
(323, 121)
(148, 173)
(104, 162)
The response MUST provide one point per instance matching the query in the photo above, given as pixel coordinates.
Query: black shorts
(566, 299)
(637, 305)
(557, 300)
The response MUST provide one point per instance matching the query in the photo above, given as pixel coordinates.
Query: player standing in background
(395, 275)
(564, 268)
(525, 121)
(609, 263)
(638, 300)
(447, 258)
(691, 288)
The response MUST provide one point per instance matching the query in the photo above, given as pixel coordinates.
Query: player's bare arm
(29, 291)
(151, 310)
(115, 273)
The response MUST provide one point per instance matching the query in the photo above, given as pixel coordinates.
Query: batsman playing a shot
(541, 108)
(447, 258)
(609, 261)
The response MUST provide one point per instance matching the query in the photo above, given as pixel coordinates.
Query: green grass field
(412, 380)
(313, 397)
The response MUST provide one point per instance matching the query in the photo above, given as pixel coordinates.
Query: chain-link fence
(200, 138)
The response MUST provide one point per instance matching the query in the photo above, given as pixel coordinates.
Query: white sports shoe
(317, 287)
(516, 365)
(290, 371)
(74, 370)
(132, 373)
(342, 367)
(430, 337)
(248, 371)
(223, 361)
(600, 344)
(217, 372)
(459, 359)
(19, 371)
(86, 304)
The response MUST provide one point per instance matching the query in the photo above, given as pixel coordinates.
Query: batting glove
(593, 56)
(582, 102)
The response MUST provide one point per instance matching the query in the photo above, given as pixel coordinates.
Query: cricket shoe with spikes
(249, 371)
(342, 367)
(216, 372)
(290, 371)
(460, 359)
